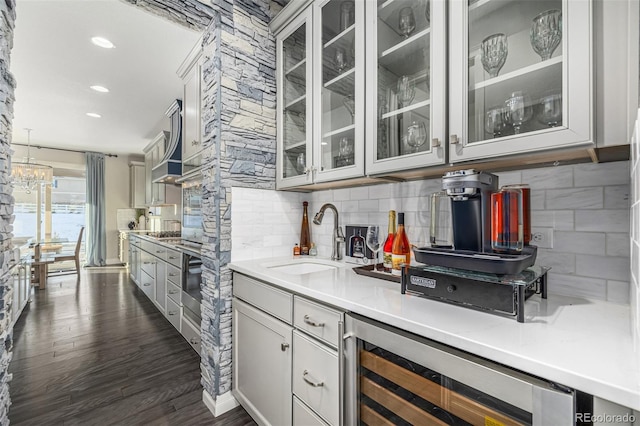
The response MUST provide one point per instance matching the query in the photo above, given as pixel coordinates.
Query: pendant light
(28, 174)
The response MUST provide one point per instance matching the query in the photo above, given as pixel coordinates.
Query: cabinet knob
(453, 139)
(435, 142)
(284, 346)
(312, 323)
(309, 381)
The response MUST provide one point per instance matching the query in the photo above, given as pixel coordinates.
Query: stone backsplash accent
(7, 87)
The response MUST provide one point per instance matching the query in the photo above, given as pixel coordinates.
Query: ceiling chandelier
(28, 175)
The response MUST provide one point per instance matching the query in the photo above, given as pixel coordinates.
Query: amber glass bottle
(388, 244)
(305, 236)
(401, 250)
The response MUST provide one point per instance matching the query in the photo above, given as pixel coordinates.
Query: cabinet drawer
(174, 293)
(315, 377)
(147, 284)
(276, 302)
(174, 257)
(302, 415)
(317, 320)
(149, 266)
(173, 313)
(191, 333)
(174, 275)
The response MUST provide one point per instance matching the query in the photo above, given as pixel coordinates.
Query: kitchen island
(583, 344)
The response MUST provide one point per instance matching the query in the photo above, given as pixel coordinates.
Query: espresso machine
(468, 262)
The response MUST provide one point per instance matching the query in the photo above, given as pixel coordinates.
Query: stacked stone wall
(7, 87)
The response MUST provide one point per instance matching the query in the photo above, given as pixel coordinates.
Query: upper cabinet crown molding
(289, 12)
(192, 58)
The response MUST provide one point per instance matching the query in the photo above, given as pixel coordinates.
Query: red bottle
(401, 251)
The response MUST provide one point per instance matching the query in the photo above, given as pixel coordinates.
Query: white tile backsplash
(590, 222)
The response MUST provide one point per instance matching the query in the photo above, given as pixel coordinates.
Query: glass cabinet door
(339, 89)
(294, 102)
(406, 76)
(521, 76)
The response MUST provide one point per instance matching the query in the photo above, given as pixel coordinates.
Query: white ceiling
(54, 63)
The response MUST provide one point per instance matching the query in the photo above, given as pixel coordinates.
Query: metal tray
(492, 263)
(369, 272)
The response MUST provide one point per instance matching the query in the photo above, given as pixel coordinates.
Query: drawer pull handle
(172, 274)
(173, 291)
(172, 257)
(194, 341)
(311, 382)
(308, 320)
(284, 346)
(147, 284)
(172, 313)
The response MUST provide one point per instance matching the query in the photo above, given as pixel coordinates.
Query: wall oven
(191, 279)
(394, 377)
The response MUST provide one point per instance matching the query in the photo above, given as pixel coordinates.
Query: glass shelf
(407, 109)
(296, 105)
(548, 70)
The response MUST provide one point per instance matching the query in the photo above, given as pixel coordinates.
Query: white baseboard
(221, 404)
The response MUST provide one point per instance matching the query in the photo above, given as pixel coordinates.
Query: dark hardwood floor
(98, 352)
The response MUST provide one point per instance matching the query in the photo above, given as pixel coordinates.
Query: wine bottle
(388, 244)
(401, 250)
(357, 243)
(305, 237)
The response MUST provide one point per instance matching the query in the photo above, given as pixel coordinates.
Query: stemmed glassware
(406, 21)
(374, 242)
(301, 162)
(546, 33)
(350, 105)
(406, 90)
(494, 123)
(346, 150)
(517, 110)
(494, 53)
(551, 112)
(416, 135)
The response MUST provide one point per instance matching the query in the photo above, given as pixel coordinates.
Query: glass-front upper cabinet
(521, 76)
(406, 68)
(294, 116)
(338, 89)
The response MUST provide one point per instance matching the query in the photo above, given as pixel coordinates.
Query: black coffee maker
(470, 193)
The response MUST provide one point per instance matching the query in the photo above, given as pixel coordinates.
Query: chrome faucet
(338, 236)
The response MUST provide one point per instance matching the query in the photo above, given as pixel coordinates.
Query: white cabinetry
(286, 352)
(20, 275)
(137, 184)
(191, 74)
(320, 63)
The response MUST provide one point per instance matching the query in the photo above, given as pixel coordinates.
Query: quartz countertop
(580, 343)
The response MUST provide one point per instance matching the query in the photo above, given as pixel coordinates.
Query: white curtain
(96, 217)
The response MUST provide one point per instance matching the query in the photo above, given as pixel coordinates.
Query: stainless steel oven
(191, 279)
(394, 377)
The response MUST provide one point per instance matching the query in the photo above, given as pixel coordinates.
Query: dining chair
(75, 256)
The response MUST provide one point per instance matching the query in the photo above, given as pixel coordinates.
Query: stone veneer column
(239, 129)
(7, 86)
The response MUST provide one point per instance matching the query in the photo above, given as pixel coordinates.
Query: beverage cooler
(396, 378)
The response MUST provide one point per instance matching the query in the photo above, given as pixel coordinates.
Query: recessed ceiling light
(94, 115)
(102, 42)
(100, 89)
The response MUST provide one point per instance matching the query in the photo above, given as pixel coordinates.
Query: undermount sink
(303, 266)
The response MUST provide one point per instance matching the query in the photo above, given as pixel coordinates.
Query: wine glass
(406, 90)
(406, 21)
(551, 112)
(347, 16)
(546, 33)
(350, 104)
(416, 135)
(518, 110)
(346, 150)
(494, 122)
(301, 162)
(374, 242)
(340, 59)
(494, 53)
(427, 12)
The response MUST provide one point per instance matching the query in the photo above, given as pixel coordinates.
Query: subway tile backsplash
(586, 207)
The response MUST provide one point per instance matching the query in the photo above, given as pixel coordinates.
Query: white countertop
(580, 343)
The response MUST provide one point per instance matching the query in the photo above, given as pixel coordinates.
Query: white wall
(635, 230)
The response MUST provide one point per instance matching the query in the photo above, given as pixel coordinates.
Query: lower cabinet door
(303, 416)
(262, 365)
(315, 377)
